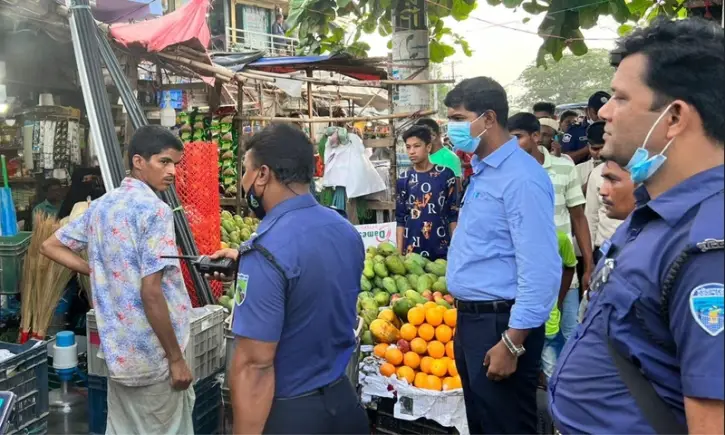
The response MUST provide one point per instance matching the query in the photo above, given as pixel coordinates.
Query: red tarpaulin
(187, 25)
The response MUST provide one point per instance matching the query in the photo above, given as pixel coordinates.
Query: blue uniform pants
(503, 407)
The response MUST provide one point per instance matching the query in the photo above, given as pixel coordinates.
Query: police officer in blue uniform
(295, 297)
(574, 142)
(648, 356)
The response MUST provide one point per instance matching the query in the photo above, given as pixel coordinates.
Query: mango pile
(421, 349)
(236, 229)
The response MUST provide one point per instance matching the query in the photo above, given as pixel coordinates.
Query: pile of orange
(430, 363)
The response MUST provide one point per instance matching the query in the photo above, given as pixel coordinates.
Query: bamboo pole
(324, 119)
(310, 109)
(360, 83)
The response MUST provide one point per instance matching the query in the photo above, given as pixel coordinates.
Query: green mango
(235, 237)
(382, 299)
(365, 295)
(380, 270)
(365, 285)
(433, 278)
(415, 297)
(412, 267)
(419, 259)
(226, 215)
(441, 261)
(413, 280)
(366, 338)
(402, 306)
(245, 234)
(387, 248)
(228, 225)
(234, 245)
(378, 282)
(402, 283)
(389, 285)
(379, 258)
(436, 269)
(369, 304)
(368, 271)
(369, 315)
(443, 302)
(373, 251)
(440, 286)
(395, 264)
(424, 283)
(238, 220)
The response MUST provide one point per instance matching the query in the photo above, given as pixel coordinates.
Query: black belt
(316, 391)
(485, 307)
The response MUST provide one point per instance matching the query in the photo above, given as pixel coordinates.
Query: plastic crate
(385, 422)
(26, 375)
(37, 426)
(203, 353)
(12, 258)
(207, 414)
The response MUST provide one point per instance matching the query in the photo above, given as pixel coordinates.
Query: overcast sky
(500, 52)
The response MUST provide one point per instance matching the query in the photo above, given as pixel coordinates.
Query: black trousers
(503, 407)
(334, 409)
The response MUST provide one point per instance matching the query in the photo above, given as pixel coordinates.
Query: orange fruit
(439, 368)
(411, 359)
(379, 349)
(421, 380)
(457, 381)
(449, 384)
(452, 370)
(394, 356)
(446, 360)
(444, 334)
(433, 316)
(428, 305)
(450, 317)
(408, 332)
(449, 350)
(387, 369)
(442, 309)
(416, 316)
(419, 346)
(405, 372)
(436, 349)
(434, 383)
(426, 332)
(425, 363)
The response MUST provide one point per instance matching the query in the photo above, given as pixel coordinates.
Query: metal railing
(271, 45)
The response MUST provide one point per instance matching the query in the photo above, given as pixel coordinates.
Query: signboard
(375, 234)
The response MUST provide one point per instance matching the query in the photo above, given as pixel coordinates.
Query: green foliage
(571, 80)
(564, 19)
(314, 21)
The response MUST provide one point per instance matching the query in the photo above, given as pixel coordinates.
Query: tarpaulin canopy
(187, 25)
(341, 63)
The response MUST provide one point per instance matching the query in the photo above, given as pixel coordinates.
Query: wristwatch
(516, 351)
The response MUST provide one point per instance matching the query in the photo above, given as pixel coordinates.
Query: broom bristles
(30, 272)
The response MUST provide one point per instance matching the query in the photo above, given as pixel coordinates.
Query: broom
(31, 276)
(52, 283)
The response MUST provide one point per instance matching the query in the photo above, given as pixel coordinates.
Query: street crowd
(585, 255)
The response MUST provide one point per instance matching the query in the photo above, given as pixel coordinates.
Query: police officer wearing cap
(294, 301)
(574, 142)
(648, 356)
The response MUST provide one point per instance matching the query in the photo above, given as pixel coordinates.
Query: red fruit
(427, 295)
(403, 345)
(437, 295)
(449, 299)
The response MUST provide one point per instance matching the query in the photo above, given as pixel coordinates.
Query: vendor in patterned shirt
(426, 209)
(142, 306)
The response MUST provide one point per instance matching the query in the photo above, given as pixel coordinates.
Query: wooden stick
(324, 119)
(359, 83)
(210, 69)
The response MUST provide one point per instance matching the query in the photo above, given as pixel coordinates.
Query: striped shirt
(568, 192)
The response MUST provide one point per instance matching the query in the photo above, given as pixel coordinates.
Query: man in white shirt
(595, 139)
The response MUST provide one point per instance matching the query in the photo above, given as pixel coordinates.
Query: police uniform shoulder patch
(240, 291)
(707, 305)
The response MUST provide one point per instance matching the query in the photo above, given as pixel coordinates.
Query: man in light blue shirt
(503, 264)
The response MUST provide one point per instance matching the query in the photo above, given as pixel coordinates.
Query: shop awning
(360, 69)
(187, 25)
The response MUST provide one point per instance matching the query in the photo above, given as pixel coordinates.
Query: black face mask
(254, 201)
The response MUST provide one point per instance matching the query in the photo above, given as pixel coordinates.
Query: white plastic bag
(348, 166)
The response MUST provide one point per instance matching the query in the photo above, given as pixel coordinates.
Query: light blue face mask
(641, 166)
(459, 133)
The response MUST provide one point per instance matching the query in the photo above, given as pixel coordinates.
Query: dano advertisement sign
(374, 234)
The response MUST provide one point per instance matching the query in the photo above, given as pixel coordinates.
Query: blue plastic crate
(207, 414)
(26, 375)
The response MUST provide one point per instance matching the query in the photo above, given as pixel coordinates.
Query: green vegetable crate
(12, 257)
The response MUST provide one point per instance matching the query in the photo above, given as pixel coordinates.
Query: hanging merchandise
(227, 157)
(346, 165)
(8, 219)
